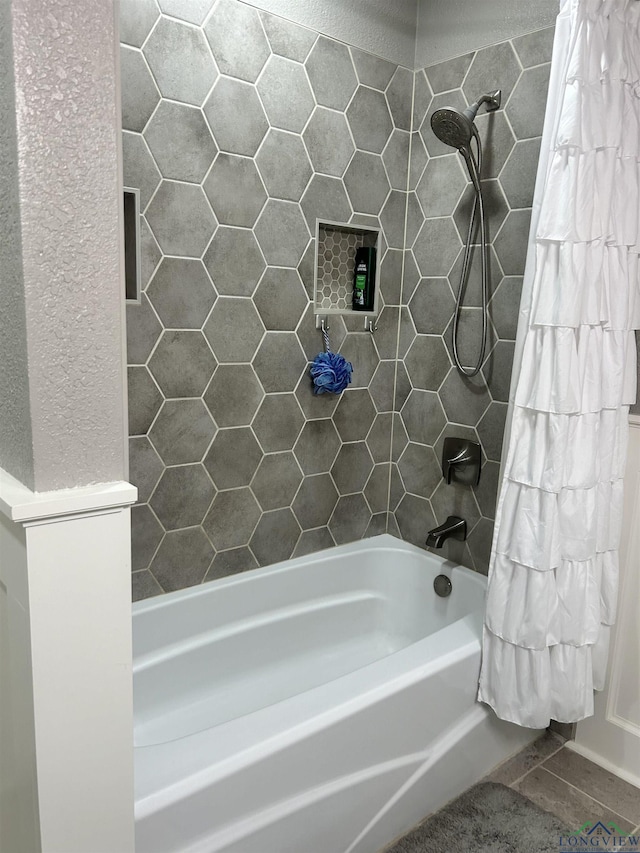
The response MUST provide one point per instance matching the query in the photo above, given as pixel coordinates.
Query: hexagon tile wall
(227, 115)
(432, 399)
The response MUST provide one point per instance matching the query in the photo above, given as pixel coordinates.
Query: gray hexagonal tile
(181, 219)
(366, 182)
(232, 519)
(182, 364)
(410, 278)
(427, 362)
(182, 496)
(143, 330)
(432, 306)
(455, 499)
(504, 307)
(393, 219)
(282, 233)
(419, 469)
(139, 170)
(418, 160)
(379, 437)
(139, 93)
(181, 62)
(464, 398)
(314, 406)
(399, 440)
(182, 559)
(414, 218)
(144, 400)
(436, 247)
(182, 294)
(386, 335)
(137, 18)
(369, 120)
(315, 501)
(237, 40)
(423, 416)
(317, 446)
(359, 349)
(441, 186)
(494, 67)
(231, 562)
(234, 261)
(354, 415)
(331, 73)
(455, 100)
(275, 536)
(449, 74)
(278, 422)
(352, 467)
(371, 70)
(381, 386)
(325, 198)
(280, 299)
(233, 395)
(288, 39)
(327, 124)
(284, 165)
(236, 117)
(518, 177)
(407, 332)
(396, 158)
(182, 431)
(497, 370)
(422, 95)
(491, 430)
(150, 253)
(145, 466)
(146, 535)
(233, 458)
(399, 95)
(402, 387)
(497, 142)
(496, 210)
(276, 480)
(180, 141)
(479, 542)
(390, 277)
(193, 11)
(473, 286)
(511, 242)
(286, 95)
(350, 519)
(144, 585)
(526, 108)
(234, 329)
(234, 188)
(279, 361)
(535, 48)
(377, 489)
(415, 518)
(469, 337)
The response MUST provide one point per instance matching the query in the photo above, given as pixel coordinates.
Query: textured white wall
(16, 454)
(448, 28)
(384, 27)
(67, 146)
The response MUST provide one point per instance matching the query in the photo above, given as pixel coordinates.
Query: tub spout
(453, 528)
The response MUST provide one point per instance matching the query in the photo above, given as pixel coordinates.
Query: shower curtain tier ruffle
(554, 565)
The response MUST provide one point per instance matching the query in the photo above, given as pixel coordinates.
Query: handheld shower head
(455, 128)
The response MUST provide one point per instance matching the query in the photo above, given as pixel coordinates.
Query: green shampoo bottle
(364, 279)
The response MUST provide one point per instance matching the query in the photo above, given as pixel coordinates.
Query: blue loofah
(331, 373)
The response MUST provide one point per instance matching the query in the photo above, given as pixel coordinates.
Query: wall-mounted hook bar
(322, 323)
(370, 325)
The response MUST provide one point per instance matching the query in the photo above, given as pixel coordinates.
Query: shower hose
(474, 167)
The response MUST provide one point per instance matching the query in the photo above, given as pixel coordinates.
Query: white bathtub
(322, 705)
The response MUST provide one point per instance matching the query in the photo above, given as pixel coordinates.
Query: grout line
(535, 766)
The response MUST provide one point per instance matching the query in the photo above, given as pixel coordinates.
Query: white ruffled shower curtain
(554, 564)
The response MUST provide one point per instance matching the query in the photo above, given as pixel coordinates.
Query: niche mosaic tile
(336, 265)
(241, 129)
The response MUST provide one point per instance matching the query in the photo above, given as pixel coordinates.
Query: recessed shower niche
(336, 248)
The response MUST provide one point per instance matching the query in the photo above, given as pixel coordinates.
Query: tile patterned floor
(570, 786)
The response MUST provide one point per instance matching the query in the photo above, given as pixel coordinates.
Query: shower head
(456, 128)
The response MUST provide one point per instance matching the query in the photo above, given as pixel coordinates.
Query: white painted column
(66, 719)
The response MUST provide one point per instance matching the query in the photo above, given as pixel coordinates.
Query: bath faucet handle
(464, 457)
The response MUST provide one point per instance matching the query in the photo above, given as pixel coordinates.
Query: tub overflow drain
(442, 586)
